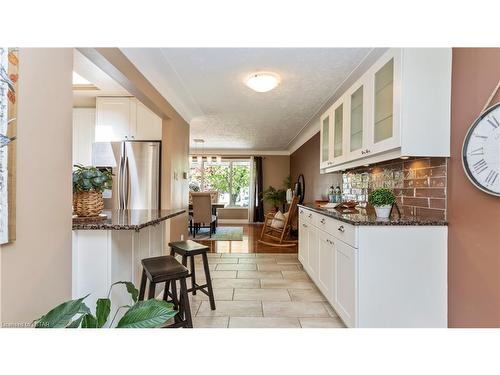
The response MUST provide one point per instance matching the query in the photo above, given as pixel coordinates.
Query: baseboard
(232, 221)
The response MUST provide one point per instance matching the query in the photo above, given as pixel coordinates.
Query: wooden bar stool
(168, 270)
(188, 249)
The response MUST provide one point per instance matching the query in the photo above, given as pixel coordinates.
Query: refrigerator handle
(126, 184)
(121, 204)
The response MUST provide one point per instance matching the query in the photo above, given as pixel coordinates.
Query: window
(231, 178)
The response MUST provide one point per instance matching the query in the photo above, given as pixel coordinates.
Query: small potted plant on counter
(88, 185)
(382, 199)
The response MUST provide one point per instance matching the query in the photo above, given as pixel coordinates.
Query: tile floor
(260, 291)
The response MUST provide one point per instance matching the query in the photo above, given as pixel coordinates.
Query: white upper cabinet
(399, 107)
(338, 137)
(384, 124)
(83, 135)
(115, 119)
(325, 152)
(125, 118)
(148, 124)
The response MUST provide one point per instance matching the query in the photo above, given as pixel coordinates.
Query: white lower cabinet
(326, 267)
(344, 293)
(312, 243)
(304, 244)
(377, 275)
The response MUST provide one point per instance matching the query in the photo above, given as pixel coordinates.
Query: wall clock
(481, 151)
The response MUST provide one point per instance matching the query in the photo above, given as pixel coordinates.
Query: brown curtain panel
(258, 215)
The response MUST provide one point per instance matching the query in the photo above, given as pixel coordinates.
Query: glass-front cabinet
(338, 132)
(325, 152)
(367, 120)
(384, 125)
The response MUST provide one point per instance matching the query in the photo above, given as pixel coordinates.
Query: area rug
(221, 234)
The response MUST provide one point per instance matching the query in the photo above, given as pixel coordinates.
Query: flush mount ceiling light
(262, 81)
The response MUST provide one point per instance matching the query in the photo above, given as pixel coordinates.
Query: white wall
(36, 269)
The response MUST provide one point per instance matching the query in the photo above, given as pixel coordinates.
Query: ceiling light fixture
(262, 81)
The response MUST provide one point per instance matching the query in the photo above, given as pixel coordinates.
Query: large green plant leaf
(131, 289)
(152, 313)
(76, 323)
(102, 310)
(89, 321)
(61, 315)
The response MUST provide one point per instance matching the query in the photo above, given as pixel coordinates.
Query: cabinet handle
(304, 225)
(301, 211)
(309, 216)
(322, 221)
(133, 137)
(341, 228)
(126, 137)
(362, 152)
(367, 151)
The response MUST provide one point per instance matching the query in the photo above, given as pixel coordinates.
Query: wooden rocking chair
(279, 237)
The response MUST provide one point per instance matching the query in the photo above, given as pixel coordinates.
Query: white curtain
(251, 202)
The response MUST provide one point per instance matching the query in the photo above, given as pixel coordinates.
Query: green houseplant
(88, 185)
(382, 199)
(274, 196)
(152, 313)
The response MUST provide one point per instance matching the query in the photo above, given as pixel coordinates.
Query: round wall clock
(481, 151)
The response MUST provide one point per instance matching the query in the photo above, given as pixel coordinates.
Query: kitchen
(406, 139)
(373, 134)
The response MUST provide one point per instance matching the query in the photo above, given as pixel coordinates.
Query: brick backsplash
(419, 184)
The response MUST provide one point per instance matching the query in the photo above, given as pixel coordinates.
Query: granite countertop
(367, 217)
(126, 219)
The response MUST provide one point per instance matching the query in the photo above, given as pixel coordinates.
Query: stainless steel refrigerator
(136, 169)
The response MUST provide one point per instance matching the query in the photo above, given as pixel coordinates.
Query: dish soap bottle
(331, 194)
(338, 194)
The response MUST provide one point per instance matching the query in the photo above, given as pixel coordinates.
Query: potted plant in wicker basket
(88, 185)
(382, 199)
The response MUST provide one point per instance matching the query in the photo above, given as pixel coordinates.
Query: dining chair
(202, 212)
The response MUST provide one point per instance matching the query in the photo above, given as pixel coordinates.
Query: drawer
(338, 229)
(306, 216)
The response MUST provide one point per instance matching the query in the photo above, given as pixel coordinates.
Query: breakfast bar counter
(125, 219)
(110, 249)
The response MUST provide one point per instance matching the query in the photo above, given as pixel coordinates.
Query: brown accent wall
(474, 216)
(305, 160)
(275, 168)
(419, 184)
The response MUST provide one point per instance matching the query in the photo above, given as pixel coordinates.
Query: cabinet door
(148, 124)
(313, 247)
(326, 139)
(83, 135)
(338, 133)
(357, 137)
(385, 122)
(345, 285)
(326, 269)
(115, 119)
(304, 244)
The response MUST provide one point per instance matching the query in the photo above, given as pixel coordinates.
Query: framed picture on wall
(9, 77)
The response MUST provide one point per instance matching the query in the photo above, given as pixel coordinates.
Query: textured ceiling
(206, 86)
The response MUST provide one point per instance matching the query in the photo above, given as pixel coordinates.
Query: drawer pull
(322, 221)
(341, 229)
(304, 225)
(301, 211)
(310, 216)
